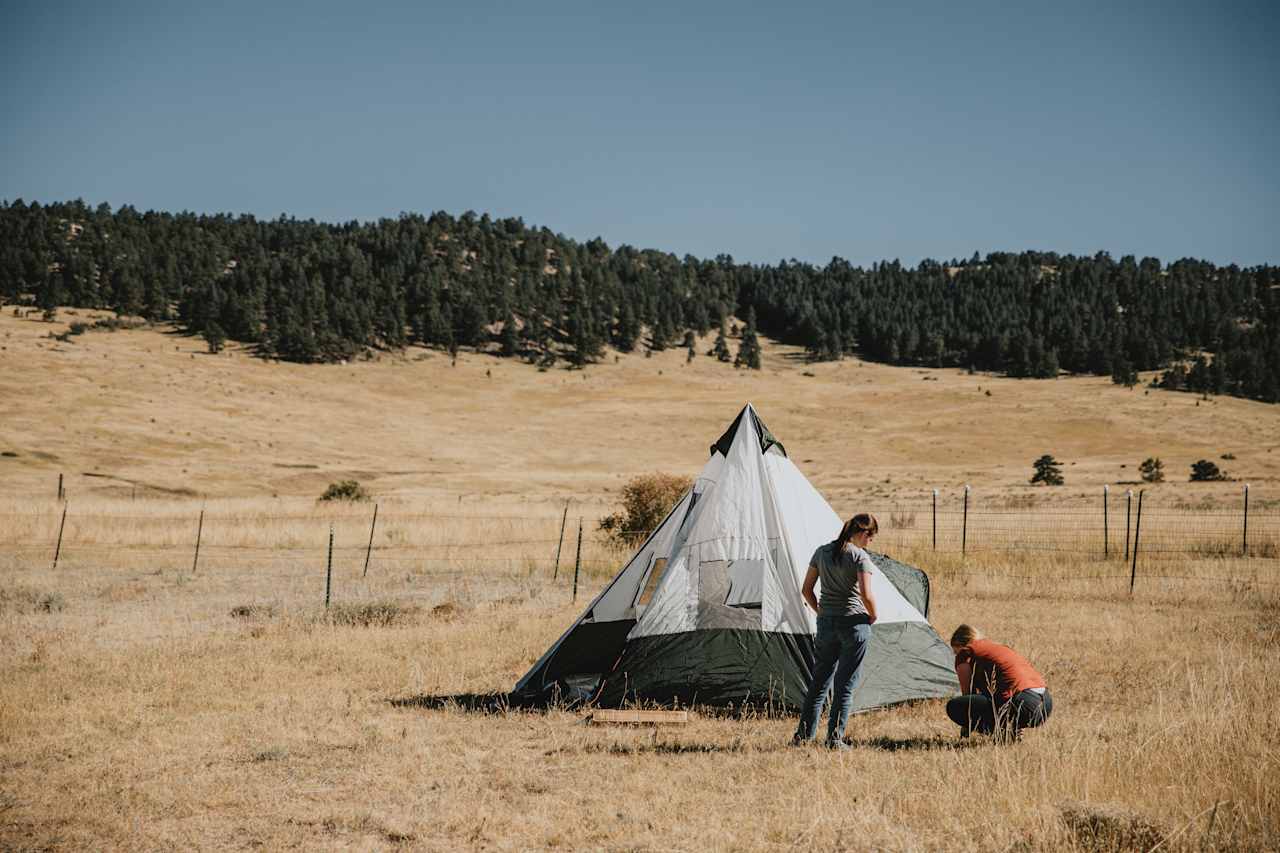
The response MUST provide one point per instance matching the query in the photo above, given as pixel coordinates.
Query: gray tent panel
(905, 661)
(910, 581)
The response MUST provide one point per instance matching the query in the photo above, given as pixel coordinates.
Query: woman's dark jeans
(839, 648)
(977, 712)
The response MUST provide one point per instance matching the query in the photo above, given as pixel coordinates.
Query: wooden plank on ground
(608, 715)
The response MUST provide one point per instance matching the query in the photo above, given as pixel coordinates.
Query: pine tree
(749, 347)
(1048, 471)
(721, 347)
(214, 336)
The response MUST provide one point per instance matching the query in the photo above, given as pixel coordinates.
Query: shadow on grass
(475, 703)
(915, 744)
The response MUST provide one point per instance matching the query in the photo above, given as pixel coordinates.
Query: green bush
(345, 490)
(1204, 471)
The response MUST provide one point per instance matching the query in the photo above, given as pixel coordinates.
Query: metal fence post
(964, 527)
(1137, 530)
(1106, 529)
(1244, 542)
(328, 571)
(1128, 508)
(935, 519)
(564, 518)
(577, 562)
(58, 549)
(60, 492)
(369, 552)
(195, 561)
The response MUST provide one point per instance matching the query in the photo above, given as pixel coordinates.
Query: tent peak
(767, 439)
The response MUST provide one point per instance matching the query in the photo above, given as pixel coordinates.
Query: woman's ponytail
(862, 522)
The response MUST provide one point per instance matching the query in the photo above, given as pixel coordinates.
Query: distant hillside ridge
(309, 291)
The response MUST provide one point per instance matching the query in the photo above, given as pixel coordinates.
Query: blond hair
(964, 635)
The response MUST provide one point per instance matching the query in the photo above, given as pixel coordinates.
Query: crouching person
(1002, 693)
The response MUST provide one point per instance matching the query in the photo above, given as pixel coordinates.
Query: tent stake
(577, 562)
(369, 553)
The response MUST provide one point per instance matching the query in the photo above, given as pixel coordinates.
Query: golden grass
(230, 711)
(147, 704)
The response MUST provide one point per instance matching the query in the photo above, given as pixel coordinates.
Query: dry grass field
(148, 701)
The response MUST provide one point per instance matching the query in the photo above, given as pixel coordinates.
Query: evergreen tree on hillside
(749, 347)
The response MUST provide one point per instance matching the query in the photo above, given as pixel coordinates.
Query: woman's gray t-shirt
(839, 578)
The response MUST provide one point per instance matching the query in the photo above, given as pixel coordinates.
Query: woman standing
(845, 614)
(1002, 693)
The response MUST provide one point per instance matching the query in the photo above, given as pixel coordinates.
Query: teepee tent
(709, 609)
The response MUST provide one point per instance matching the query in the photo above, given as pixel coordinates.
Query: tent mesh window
(651, 583)
(714, 582)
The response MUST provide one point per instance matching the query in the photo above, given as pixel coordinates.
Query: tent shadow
(915, 744)
(475, 703)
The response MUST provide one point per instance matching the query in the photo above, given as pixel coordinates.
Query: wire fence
(1113, 536)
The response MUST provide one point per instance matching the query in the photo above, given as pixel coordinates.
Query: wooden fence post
(555, 574)
(1137, 530)
(328, 572)
(935, 519)
(1244, 542)
(964, 527)
(58, 549)
(577, 562)
(369, 553)
(199, 532)
(60, 492)
(1106, 526)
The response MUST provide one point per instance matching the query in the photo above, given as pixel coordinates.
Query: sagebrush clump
(345, 490)
(645, 502)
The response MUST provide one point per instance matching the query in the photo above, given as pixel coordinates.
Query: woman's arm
(964, 672)
(809, 580)
(864, 590)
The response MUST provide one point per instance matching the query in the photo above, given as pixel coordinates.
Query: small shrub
(254, 611)
(902, 519)
(24, 599)
(1228, 456)
(369, 614)
(1105, 827)
(345, 490)
(645, 502)
(1204, 471)
(1152, 470)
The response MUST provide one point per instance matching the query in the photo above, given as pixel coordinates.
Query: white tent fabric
(722, 572)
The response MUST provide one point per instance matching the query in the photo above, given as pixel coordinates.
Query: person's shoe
(799, 740)
(838, 744)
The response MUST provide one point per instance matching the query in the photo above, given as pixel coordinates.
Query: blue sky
(804, 131)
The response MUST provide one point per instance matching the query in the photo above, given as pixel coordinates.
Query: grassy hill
(148, 412)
